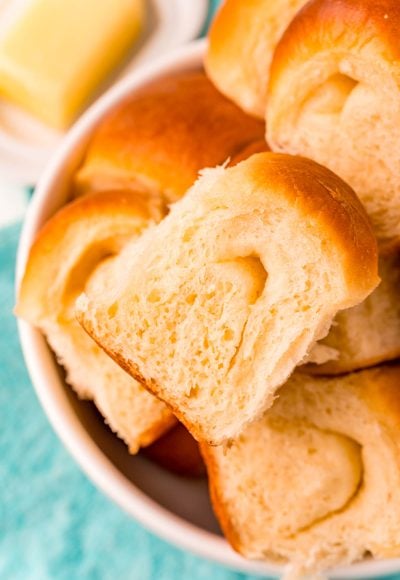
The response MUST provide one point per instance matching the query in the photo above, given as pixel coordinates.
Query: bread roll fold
(220, 302)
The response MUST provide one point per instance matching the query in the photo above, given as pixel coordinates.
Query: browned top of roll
(85, 230)
(367, 28)
(242, 40)
(159, 138)
(320, 194)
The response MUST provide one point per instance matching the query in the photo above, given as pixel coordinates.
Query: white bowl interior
(175, 508)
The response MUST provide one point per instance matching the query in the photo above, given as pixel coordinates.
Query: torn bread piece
(214, 307)
(72, 251)
(316, 481)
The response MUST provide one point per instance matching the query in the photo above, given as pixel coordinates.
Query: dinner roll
(213, 308)
(367, 334)
(316, 481)
(71, 252)
(242, 40)
(334, 96)
(160, 137)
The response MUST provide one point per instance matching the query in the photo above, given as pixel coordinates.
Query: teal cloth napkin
(54, 525)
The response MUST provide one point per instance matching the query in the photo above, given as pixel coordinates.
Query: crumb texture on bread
(162, 135)
(73, 251)
(215, 306)
(333, 97)
(367, 334)
(242, 40)
(316, 481)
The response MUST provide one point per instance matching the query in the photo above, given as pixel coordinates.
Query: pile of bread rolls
(249, 294)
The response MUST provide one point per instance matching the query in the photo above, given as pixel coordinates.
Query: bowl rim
(42, 369)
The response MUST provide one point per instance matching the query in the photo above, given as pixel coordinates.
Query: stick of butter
(57, 52)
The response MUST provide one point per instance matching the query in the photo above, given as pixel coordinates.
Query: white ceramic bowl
(177, 510)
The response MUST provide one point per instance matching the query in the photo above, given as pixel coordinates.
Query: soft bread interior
(367, 334)
(76, 248)
(324, 470)
(214, 307)
(129, 410)
(316, 481)
(343, 110)
(365, 119)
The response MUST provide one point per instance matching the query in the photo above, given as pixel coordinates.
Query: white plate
(26, 144)
(175, 509)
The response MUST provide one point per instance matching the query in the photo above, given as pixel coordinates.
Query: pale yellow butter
(58, 51)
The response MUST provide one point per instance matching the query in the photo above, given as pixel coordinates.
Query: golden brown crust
(67, 249)
(325, 198)
(364, 29)
(225, 45)
(113, 211)
(251, 149)
(242, 39)
(158, 139)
